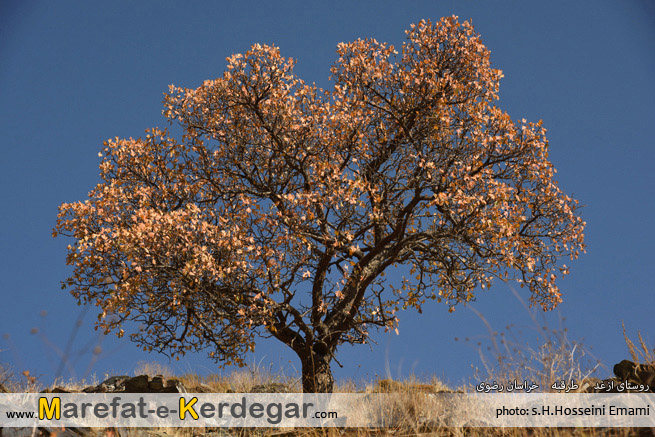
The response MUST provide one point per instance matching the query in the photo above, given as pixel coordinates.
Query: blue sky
(73, 74)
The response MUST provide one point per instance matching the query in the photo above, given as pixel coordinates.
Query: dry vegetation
(505, 357)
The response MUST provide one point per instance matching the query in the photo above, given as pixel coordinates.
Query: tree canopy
(282, 206)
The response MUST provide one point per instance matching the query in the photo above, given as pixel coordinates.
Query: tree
(281, 207)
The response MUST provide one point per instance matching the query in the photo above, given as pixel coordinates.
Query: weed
(555, 358)
(648, 355)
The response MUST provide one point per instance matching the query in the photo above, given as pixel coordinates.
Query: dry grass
(406, 413)
(6, 378)
(240, 381)
(646, 354)
(507, 357)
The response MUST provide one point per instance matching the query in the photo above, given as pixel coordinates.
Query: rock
(56, 390)
(627, 372)
(635, 373)
(109, 385)
(273, 387)
(174, 386)
(114, 382)
(138, 384)
(203, 388)
(157, 383)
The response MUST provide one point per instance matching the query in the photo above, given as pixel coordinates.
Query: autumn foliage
(280, 209)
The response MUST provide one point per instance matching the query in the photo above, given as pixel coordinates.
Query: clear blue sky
(73, 74)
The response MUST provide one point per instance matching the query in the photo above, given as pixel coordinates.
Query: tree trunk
(316, 373)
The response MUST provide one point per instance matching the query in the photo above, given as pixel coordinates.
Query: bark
(316, 373)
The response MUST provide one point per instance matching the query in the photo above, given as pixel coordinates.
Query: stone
(138, 384)
(157, 383)
(203, 388)
(56, 390)
(174, 386)
(273, 387)
(109, 385)
(625, 372)
(635, 373)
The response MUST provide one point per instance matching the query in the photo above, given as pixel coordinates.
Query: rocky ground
(629, 377)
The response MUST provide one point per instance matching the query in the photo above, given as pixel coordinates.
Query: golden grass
(407, 412)
(506, 358)
(639, 351)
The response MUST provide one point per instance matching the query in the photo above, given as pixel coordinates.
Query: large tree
(281, 207)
